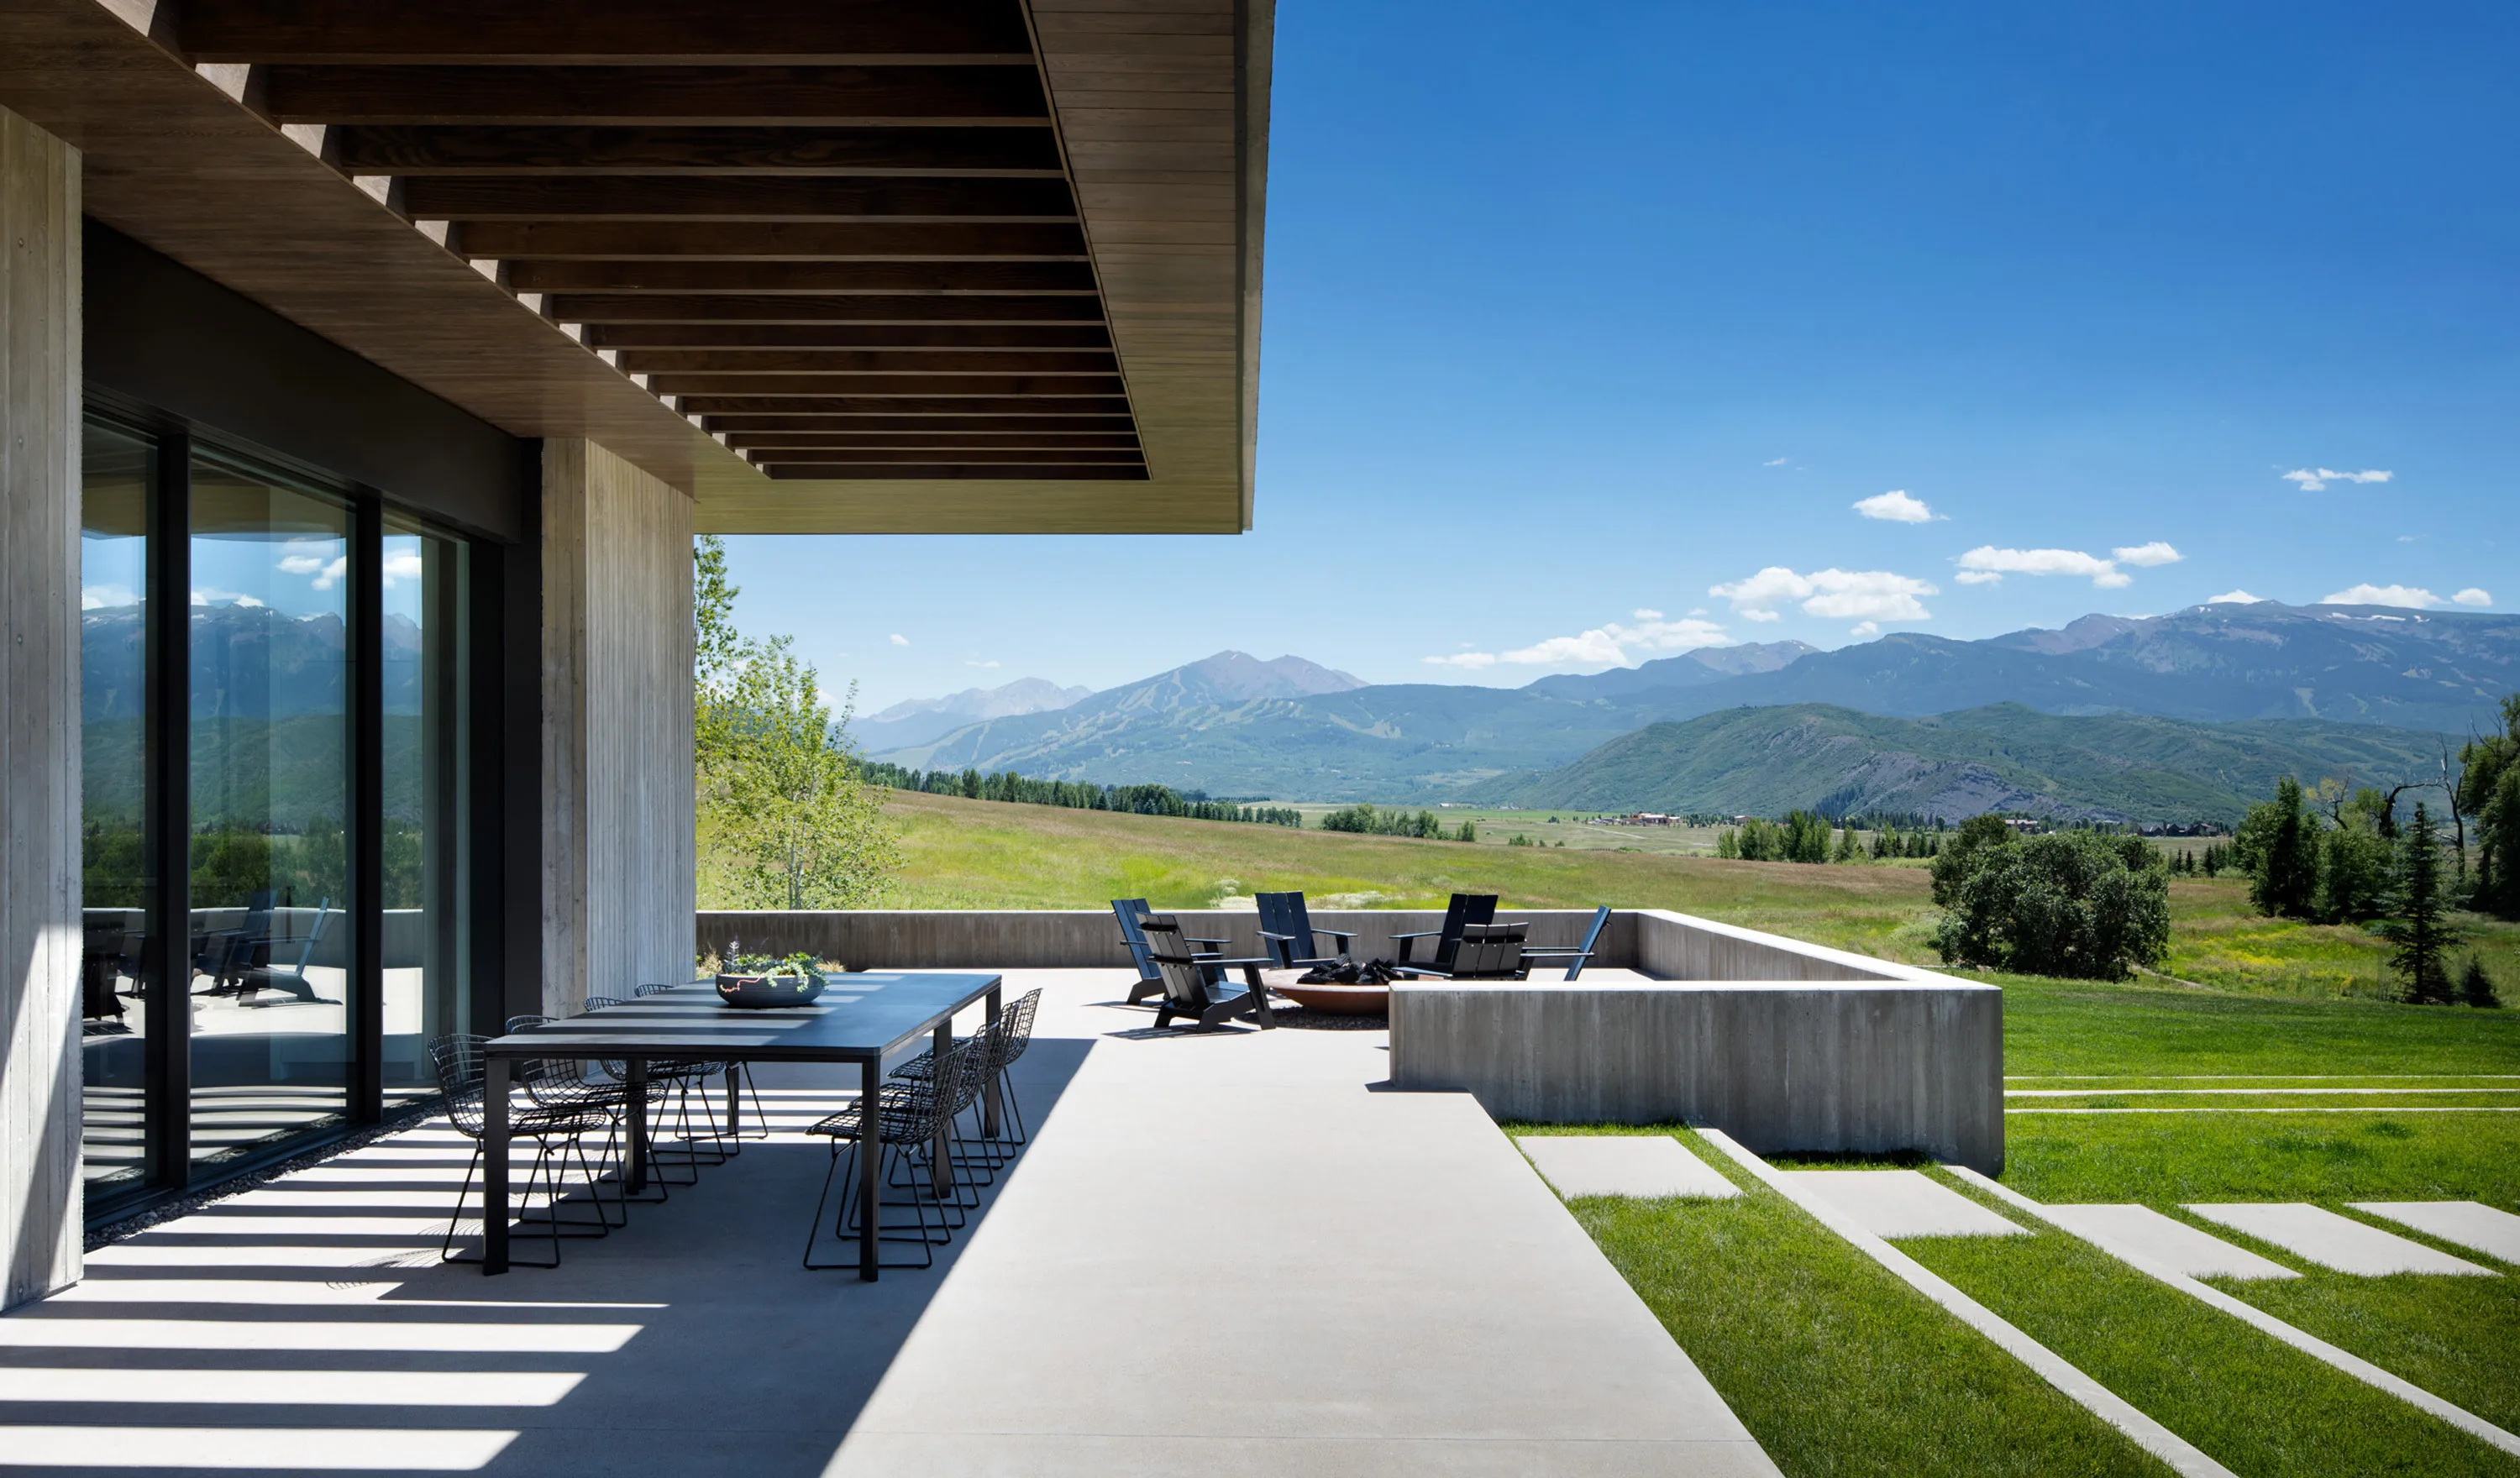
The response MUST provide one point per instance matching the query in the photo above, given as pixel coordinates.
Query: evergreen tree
(2421, 932)
(1848, 849)
(2475, 987)
(2279, 848)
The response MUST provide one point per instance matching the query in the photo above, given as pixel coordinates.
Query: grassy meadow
(993, 853)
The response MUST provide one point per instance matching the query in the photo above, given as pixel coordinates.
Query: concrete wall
(618, 865)
(39, 746)
(1873, 1067)
(1083, 938)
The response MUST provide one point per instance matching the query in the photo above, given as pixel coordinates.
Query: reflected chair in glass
(557, 1133)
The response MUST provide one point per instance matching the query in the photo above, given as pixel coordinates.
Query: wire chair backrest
(547, 1080)
(615, 1069)
(461, 1065)
(1017, 1021)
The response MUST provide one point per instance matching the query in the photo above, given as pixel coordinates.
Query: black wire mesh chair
(463, 1080)
(659, 1086)
(560, 1084)
(1006, 1039)
(912, 1114)
(1018, 1019)
(694, 1074)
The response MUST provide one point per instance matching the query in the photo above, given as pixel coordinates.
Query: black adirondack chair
(1486, 951)
(1190, 994)
(1286, 932)
(1576, 958)
(1150, 980)
(1465, 910)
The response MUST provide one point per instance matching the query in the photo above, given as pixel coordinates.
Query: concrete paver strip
(2319, 1235)
(2182, 1457)
(1895, 1203)
(1638, 1165)
(2259, 1320)
(2171, 1242)
(2472, 1225)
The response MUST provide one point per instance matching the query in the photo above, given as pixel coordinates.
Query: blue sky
(1575, 312)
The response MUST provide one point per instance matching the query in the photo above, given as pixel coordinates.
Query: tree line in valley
(1079, 796)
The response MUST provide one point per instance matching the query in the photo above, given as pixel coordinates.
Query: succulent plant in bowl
(756, 982)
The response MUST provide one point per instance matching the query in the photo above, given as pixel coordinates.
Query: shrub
(2475, 987)
(2075, 903)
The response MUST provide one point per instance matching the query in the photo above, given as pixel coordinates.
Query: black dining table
(864, 1018)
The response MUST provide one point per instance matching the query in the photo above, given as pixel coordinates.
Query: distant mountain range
(2097, 767)
(919, 720)
(1288, 729)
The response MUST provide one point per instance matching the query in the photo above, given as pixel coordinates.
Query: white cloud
(100, 597)
(403, 564)
(2408, 597)
(1604, 645)
(2235, 598)
(1865, 629)
(2473, 596)
(1988, 560)
(972, 662)
(898, 640)
(1834, 594)
(207, 595)
(2312, 481)
(1773, 461)
(1642, 614)
(1979, 577)
(2145, 556)
(1896, 507)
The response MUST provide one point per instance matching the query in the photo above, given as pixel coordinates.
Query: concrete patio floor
(1224, 1253)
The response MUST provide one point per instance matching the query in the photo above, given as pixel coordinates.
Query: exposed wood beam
(415, 149)
(959, 456)
(735, 96)
(1114, 408)
(878, 470)
(685, 277)
(1046, 387)
(675, 31)
(622, 198)
(932, 441)
(767, 242)
(1101, 363)
(868, 309)
(1058, 427)
(904, 338)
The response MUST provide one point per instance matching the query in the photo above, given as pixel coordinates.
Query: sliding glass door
(277, 804)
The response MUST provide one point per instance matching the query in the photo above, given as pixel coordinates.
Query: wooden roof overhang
(830, 265)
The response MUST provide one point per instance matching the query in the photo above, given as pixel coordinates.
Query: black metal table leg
(989, 1089)
(494, 1166)
(634, 1171)
(869, 1162)
(940, 1168)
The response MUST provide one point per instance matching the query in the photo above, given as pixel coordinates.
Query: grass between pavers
(2249, 1401)
(2163, 1161)
(1833, 1363)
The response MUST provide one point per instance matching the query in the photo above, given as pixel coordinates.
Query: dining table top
(861, 1015)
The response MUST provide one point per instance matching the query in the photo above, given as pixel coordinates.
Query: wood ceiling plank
(856, 362)
(1055, 427)
(925, 387)
(769, 242)
(597, 30)
(614, 198)
(744, 441)
(868, 309)
(734, 96)
(854, 470)
(529, 149)
(904, 337)
(1104, 408)
(814, 277)
(953, 456)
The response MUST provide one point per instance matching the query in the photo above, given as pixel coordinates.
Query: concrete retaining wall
(1785, 1045)
(1083, 938)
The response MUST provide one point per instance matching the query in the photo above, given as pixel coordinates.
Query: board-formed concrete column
(618, 869)
(40, 714)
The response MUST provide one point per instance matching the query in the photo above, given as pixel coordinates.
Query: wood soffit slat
(840, 236)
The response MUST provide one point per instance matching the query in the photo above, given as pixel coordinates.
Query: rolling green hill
(2098, 767)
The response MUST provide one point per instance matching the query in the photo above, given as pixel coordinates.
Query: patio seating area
(1219, 1252)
